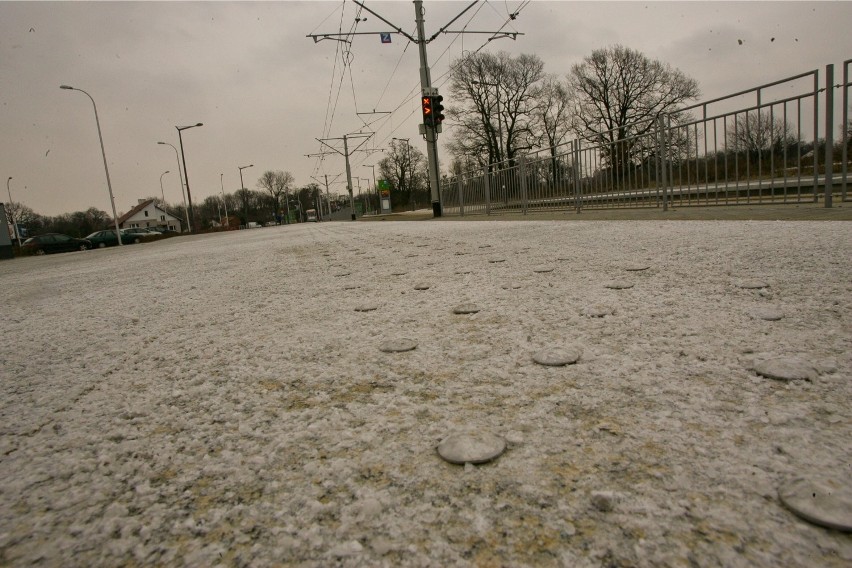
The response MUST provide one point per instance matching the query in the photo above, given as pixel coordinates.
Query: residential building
(148, 215)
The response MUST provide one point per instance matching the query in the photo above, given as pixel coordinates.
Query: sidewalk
(799, 212)
(238, 406)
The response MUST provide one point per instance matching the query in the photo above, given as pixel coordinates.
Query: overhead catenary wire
(394, 114)
(416, 87)
(452, 67)
(331, 111)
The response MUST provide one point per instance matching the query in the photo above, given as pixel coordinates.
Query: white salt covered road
(221, 400)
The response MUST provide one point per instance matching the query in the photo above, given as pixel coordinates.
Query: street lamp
(12, 214)
(182, 192)
(376, 187)
(243, 187)
(163, 193)
(103, 152)
(366, 195)
(185, 175)
(224, 201)
(298, 204)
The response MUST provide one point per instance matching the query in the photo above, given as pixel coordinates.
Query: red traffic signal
(427, 110)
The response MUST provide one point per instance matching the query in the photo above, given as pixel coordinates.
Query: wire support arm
(337, 37)
(497, 35)
(442, 30)
(394, 26)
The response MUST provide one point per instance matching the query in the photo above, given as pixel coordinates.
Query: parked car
(311, 216)
(103, 239)
(54, 242)
(145, 232)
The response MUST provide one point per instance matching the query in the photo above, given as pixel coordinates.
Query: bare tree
(760, 135)
(254, 205)
(404, 167)
(552, 112)
(493, 102)
(618, 94)
(276, 183)
(552, 115)
(24, 216)
(759, 132)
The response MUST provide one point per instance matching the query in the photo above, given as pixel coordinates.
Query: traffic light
(437, 110)
(428, 116)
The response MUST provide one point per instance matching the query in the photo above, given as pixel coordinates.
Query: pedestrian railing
(770, 144)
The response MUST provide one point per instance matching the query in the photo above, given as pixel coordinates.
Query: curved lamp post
(242, 186)
(185, 176)
(103, 152)
(163, 193)
(12, 214)
(224, 201)
(182, 192)
(375, 187)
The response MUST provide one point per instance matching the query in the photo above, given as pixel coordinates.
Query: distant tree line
(275, 200)
(77, 224)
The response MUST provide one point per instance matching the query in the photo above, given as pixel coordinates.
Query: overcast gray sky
(264, 91)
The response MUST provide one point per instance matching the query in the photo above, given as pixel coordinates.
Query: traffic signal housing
(428, 114)
(437, 110)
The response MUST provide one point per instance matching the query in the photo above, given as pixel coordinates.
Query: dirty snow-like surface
(219, 400)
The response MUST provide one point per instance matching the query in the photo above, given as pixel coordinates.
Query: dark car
(142, 231)
(101, 239)
(54, 242)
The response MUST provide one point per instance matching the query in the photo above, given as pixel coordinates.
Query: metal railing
(753, 148)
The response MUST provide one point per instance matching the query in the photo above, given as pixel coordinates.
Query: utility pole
(327, 192)
(430, 130)
(346, 155)
(349, 178)
(328, 197)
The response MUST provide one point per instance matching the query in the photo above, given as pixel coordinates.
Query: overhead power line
(429, 128)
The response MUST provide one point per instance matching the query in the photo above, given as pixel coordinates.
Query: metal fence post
(844, 154)
(815, 189)
(664, 169)
(829, 133)
(486, 185)
(522, 168)
(460, 181)
(577, 201)
(658, 162)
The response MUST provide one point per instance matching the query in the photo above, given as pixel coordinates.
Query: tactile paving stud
(471, 447)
